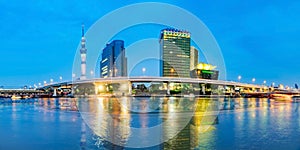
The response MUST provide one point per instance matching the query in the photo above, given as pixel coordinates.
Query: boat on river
(282, 97)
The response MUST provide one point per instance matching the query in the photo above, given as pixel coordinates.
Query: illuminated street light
(273, 84)
(265, 81)
(253, 80)
(60, 78)
(45, 82)
(92, 73)
(239, 78)
(51, 80)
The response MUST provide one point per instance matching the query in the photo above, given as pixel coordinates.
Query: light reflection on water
(185, 123)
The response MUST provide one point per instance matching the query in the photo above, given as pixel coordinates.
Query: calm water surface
(158, 123)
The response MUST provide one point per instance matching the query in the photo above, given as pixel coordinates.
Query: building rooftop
(204, 66)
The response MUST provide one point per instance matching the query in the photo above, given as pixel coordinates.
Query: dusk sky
(258, 39)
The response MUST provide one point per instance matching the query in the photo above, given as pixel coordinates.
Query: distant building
(194, 58)
(114, 62)
(205, 71)
(83, 51)
(175, 53)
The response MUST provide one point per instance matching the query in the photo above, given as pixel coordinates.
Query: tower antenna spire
(83, 51)
(82, 30)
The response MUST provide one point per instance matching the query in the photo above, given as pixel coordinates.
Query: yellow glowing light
(172, 70)
(183, 56)
(204, 66)
(100, 87)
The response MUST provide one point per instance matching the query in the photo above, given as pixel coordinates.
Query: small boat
(282, 97)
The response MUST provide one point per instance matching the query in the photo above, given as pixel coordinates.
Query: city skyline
(258, 48)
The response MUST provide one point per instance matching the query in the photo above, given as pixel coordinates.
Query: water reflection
(158, 123)
(60, 104)
(187, 123)
(155, 122)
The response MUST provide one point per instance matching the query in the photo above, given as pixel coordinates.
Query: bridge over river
(152, 86)
(22, 93)
(143, 86)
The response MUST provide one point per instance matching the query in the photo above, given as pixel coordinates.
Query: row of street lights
(253, 80)
(45, 82)
(143, 70)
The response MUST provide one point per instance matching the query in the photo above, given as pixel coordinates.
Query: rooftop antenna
(82, 30)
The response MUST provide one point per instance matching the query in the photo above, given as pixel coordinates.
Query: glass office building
(175, 53)
(114, 62)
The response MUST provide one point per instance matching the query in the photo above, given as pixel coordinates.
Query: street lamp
(45, 82)
(92, 73)
(40, 84)
(265, 81)
(273, 84)
(253, 80)
(51, 80)
(239, 78)
(60, 78)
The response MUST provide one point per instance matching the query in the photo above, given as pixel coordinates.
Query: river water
(149, 123)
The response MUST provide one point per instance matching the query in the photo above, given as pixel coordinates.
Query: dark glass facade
(175, 53)
(114, 62)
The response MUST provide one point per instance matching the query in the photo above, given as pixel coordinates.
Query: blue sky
(257, 38)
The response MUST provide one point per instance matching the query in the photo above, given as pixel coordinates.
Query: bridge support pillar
(54, 91)
(203, 88)
(168, 88)
(129, 88)
(72, 90)
(224, 88)
(233, 90)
